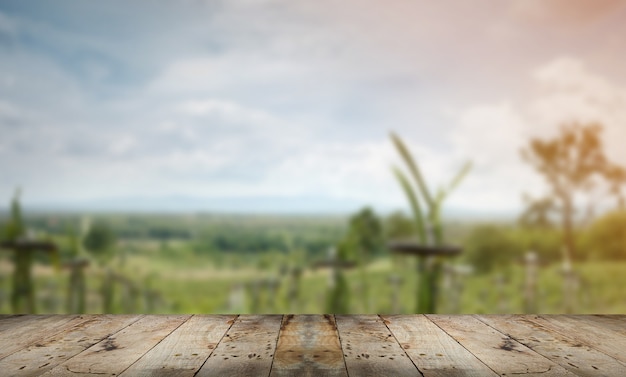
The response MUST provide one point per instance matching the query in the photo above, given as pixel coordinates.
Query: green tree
(490, 246)
(397, 226)
(606, 237)
(573, 163)
(99, 241)
(366, 229)
(366, 238)
(15, 227)
(538, 213)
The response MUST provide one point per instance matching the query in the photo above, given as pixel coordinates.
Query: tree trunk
(568, 228)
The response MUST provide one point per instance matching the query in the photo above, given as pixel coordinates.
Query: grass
(196, 285)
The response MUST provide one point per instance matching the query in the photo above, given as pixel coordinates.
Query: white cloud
(225, 109)
(564, 91)
(570, 92)
(252, 98)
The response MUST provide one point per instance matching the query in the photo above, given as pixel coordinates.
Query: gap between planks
(467, 345)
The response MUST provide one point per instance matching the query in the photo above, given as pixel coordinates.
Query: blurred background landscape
(278, 157)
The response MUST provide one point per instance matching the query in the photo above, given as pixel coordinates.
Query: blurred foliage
(606, 237)
(539, 213)
(490, 246)
(100, 241)
(201, 259)
(398, 226)
(199, 280)
(495, 246)
(428, 220)
(339, 292)
(14, 227)
(365, 230)
(572, 163)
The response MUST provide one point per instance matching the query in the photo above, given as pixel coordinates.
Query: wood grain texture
(117, 352)
(433, 351)
(48, 353)
(308, 345)
(563, 350)
(370, 349)
(587, 332)
(499, 352)
(11, 320)
(613, 322)
(32, 330)
(247, 349)
(313, 345)
(183, 351)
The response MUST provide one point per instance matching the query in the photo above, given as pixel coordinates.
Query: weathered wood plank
(587, 333)
(613, 322)
(46, 354)
(33, 329)
(433, 351)
(9, 321)
(563, 350)
(308, 345)
(184, 351)
(117, 352)
(499, 352)
(5, 316)
(370, 349)
(247, 349)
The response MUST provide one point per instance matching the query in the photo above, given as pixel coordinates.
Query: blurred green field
(201, 288)
(245, 264)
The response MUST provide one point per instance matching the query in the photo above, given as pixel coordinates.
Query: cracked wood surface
(312, 345)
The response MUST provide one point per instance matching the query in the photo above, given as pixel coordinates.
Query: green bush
(491, 246)
(606, 237)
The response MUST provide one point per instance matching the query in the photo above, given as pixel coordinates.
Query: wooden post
(272, 284)
(429, 269)
(49, 298)
(293, 291)
(502, 298)
(569, 283)
(337, 300)
(23, 293)
(396, 284)
(254, 293)
(76, 289)
(236, 298)
(453, 285)
(530, 290)
(151, 296)
(2, 293)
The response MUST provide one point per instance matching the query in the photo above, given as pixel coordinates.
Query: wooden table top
(312, 345)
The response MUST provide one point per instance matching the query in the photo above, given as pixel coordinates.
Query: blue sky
(286, 106)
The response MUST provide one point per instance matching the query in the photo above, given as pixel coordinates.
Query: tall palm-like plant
(428, 221)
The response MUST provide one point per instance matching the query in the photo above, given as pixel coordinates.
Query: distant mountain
(176, 203)
(301, 205)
